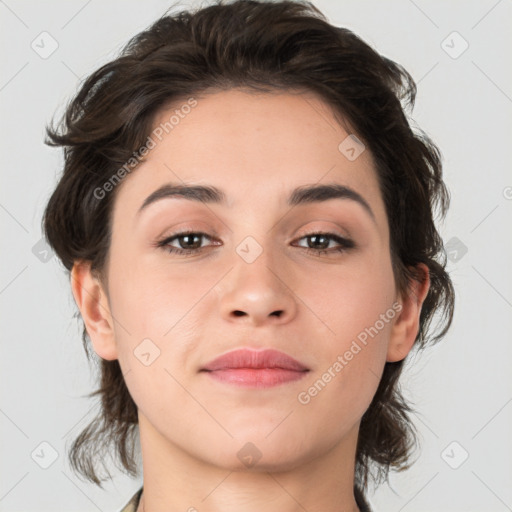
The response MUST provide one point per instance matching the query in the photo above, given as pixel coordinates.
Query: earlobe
(92, 301)
(406, 326)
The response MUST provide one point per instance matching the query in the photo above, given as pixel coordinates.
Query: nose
(258, 293)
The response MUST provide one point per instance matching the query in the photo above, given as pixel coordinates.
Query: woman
(247, 219)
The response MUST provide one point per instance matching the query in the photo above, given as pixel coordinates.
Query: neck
(176, 480)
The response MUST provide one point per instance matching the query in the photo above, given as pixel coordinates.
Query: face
(309, 278)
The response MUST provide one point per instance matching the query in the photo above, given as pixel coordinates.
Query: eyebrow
(299, 196)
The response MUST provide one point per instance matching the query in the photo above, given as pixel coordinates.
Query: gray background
(461, 388)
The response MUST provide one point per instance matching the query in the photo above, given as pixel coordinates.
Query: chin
(256, 450)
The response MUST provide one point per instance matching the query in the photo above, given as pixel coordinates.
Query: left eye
(190, 242)
(321, 242)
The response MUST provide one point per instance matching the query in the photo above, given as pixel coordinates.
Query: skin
(255, 147)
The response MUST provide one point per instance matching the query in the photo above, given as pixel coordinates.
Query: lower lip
(256, 377)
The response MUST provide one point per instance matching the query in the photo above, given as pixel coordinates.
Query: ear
(92, 301)
(406, 326)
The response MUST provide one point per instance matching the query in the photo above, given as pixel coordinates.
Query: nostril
(238, 313)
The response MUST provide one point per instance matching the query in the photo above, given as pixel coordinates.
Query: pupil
(188, 239)
(315, 238)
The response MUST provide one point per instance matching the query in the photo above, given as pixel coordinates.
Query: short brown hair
(281, 45)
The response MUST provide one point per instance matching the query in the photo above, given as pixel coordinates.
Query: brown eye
(188, 242)
(320, 243)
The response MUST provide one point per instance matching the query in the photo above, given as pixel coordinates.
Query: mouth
(259, 369)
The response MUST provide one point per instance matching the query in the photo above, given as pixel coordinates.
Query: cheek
(159, 311)
(356, 303)
(348, 374)
(152, 297)
(349, 298)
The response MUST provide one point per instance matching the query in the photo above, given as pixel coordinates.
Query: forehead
(254, 146)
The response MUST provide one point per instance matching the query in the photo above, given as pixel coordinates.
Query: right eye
(189, 242)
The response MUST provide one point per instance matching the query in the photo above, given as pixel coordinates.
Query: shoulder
(133, 504)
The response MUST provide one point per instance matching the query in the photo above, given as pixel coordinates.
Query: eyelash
(345, 243)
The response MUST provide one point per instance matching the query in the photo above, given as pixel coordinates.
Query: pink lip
(260, 369)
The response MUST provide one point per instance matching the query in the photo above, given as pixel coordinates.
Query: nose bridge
(257, 290)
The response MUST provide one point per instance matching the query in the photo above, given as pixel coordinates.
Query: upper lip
(257, 359)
